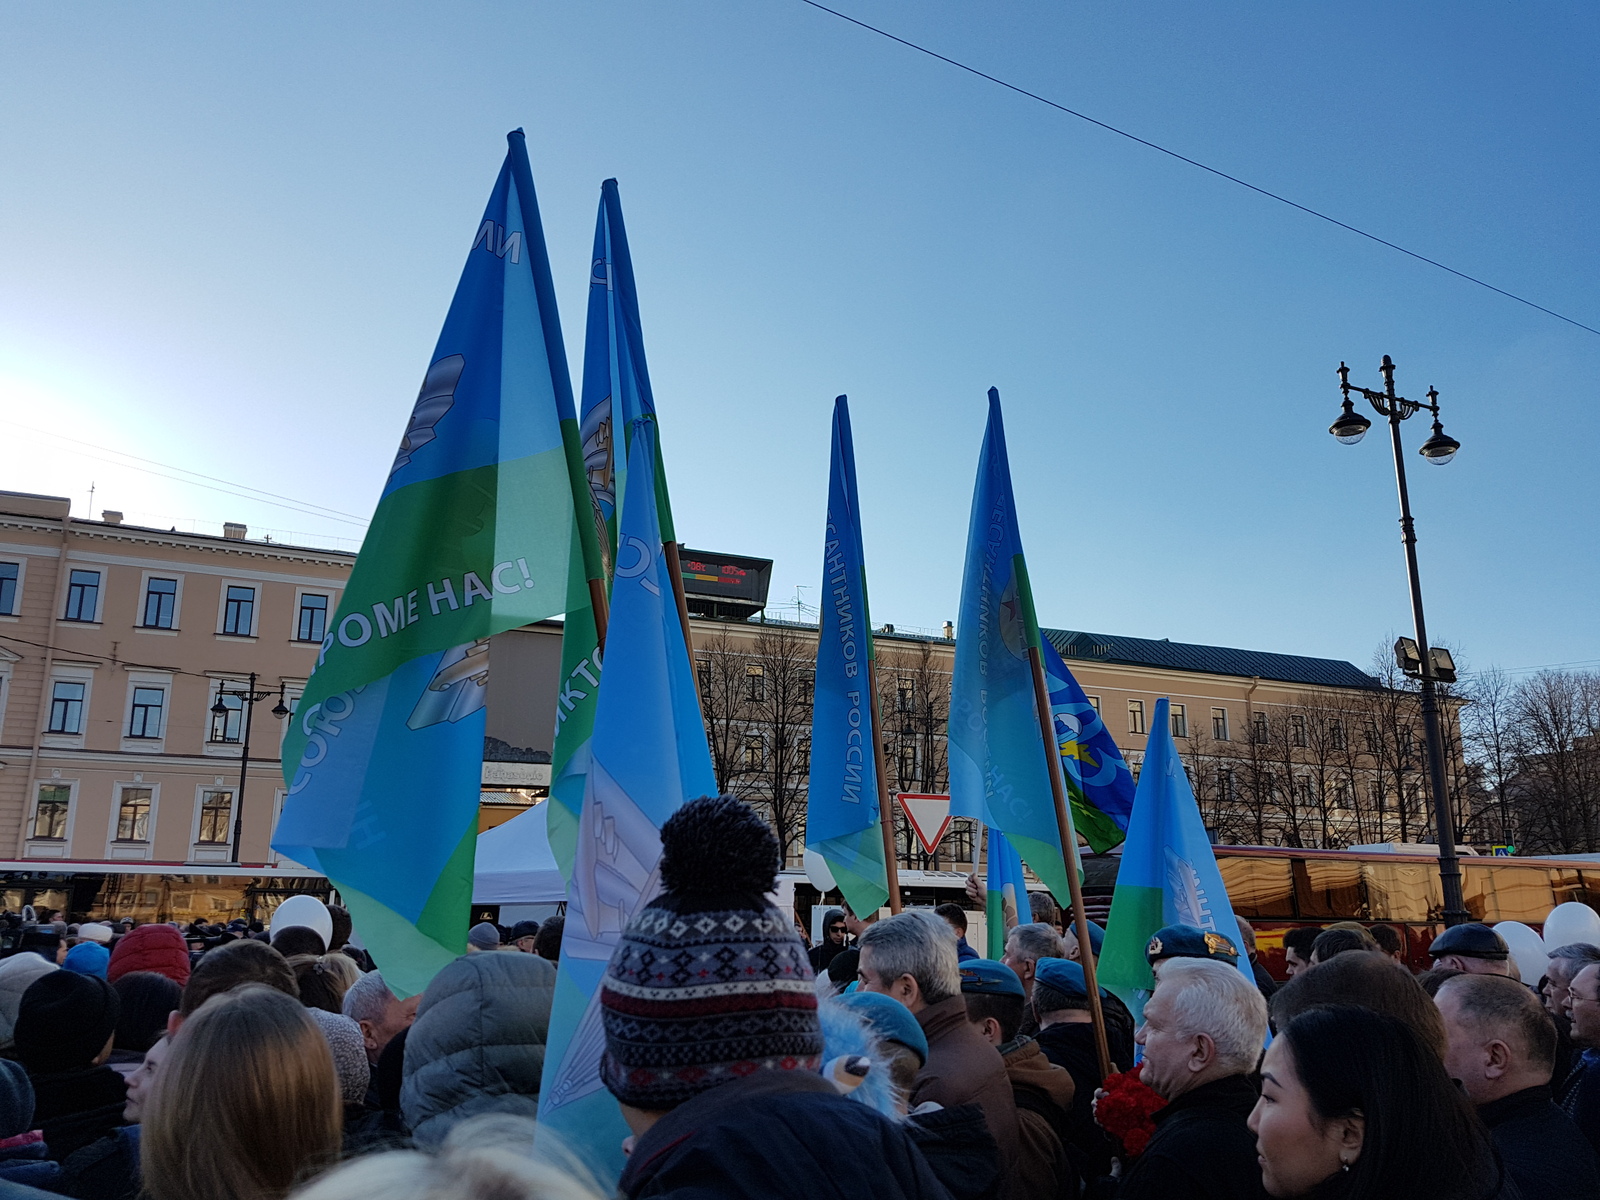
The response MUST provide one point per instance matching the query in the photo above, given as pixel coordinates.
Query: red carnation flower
(1126, 1109)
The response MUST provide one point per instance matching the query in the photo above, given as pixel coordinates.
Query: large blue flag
(647, 757)
(998, 769)
(473, 534)
(616, 393)
(1168, 874)
(1099, 783)
(843, 813)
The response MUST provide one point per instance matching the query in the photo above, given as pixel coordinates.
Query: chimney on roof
(111, 516)
(949, 632)
(233, 530)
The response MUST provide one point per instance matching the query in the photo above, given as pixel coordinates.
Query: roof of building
(1212, 660)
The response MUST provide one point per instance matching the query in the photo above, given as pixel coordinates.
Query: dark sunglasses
(835, 928)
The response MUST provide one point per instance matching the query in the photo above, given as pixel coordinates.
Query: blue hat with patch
(891, 1021)
(1062, 975)
(985, 977)
(1186, 941)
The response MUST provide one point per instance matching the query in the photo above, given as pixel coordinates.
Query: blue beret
(1186, 941)
(1097, 936)
(1469, 941)
(891, 1021)
(986, 977)
(1064, 975)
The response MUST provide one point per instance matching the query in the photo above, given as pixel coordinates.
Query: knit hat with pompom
(709, 982)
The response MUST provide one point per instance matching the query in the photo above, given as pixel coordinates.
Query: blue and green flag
(1005, 893)
(648, 756)
(1168, 874)
(616, 394)
(843, 812)
(473, 534)
(998, 770)
(1099, 783)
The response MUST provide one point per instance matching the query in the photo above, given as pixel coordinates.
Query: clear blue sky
(228, 236)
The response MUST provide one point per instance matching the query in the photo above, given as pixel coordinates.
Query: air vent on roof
(233, 530)
(111, 516)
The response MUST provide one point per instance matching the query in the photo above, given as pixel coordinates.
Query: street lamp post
(1429, 666)
(248, 699)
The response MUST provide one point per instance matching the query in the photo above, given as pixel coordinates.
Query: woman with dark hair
(1355, 1105)
(148, 999)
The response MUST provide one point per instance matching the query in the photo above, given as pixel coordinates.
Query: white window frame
(134, 851)
(6, 659)
(1227, 734)
(1178, 715)
(293, 689)
(161, 681)
(258, 589)
(294, 616)
(219, 684)
(21, 563)
(104, 573)
(67, 674)
(177, 603)
(1136, 709)
(49, 847)
(214, 851)
(1094, 703)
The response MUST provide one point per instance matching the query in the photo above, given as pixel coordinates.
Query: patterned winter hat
(709, 983)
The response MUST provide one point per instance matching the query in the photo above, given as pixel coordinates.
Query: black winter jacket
(777, 1135)
(1543, 1151)
(1202, 1148)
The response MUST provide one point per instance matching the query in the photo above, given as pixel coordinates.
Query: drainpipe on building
(56, 605)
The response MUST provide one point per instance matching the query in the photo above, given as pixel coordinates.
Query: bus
(149, 892)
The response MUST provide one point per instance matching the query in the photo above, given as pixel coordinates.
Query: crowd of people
(890, 1060)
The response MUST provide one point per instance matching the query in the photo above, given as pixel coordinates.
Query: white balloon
(1571, 922)
(817, 871)
(303, 910)
(1527, 949)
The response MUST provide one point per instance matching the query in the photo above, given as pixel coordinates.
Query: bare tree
(780, 679)
(722, 672)
(1554, 785)
(914, 691)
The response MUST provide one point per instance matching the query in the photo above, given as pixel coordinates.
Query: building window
(1405, 740)
(83, 596)
(10, 573)
(50, 815)
(145, 721)
(754, 753)
(1303, 787)
(1297, 729)
(906, 696)
(907, 763)
(66, 707)
(1180, 721)
(1135, 716)
(160, 603)
(702, 666)
(1094, 703)
(133, 815)
(1336, 735)
(1225, 789)
(225, 727)
(808, 689)
(216, 809)
(1219, 724)
(239, 611)
(802, 754)
(755, 684)
(1258, 729)
(312, 623)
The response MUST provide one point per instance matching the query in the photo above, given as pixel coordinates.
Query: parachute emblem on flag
(437, 397)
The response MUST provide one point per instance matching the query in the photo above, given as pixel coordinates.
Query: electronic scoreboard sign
(737, 582)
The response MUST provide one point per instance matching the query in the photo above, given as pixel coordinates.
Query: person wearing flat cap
(1473, 948)
(1187, 941)
(1043, 1091)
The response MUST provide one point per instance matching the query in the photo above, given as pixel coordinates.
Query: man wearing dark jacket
(912, 958)
(833, 941)
(717, 1069)
(1203, 1031)
(1502, 1048)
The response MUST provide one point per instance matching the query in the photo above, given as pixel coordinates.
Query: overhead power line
(241, 490)
(1183, 158)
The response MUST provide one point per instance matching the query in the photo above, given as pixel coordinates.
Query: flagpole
(891, 857)
(1069, 853)
(675, 565)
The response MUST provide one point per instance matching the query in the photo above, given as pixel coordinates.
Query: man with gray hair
(1501, 1047)
(1203, 1030)
(1026, 945)
(912, 958)
(371, 1005)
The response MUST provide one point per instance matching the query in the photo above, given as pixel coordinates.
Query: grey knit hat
(349, 1053)
(484, 935)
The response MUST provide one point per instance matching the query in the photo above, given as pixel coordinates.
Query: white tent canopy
(515, 863)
